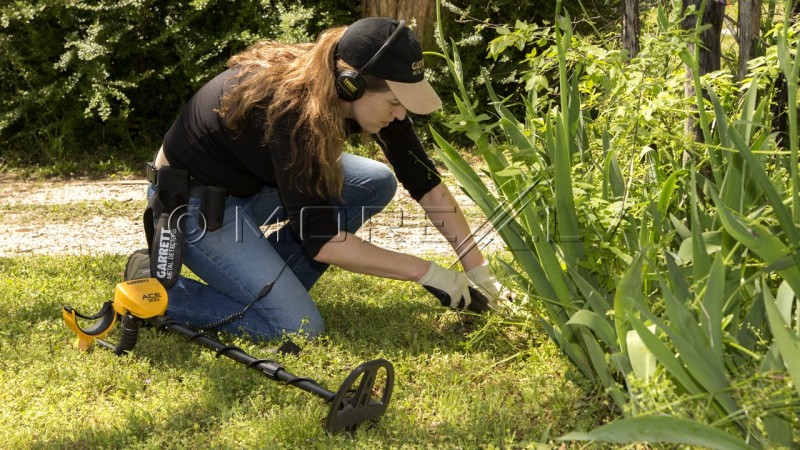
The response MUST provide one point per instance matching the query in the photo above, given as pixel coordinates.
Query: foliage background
(104, 79)
(92, 85)
(664, 267)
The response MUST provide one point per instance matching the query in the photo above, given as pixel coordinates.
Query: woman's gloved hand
(483, 279)
(449, 286)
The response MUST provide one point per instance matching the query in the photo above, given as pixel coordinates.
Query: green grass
(127, 162)
(461, 382)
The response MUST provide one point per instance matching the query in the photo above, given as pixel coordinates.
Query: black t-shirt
(243, 163)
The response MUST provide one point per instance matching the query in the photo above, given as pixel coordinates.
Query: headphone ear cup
(350, 86)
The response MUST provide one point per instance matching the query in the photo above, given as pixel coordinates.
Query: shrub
(94, 78)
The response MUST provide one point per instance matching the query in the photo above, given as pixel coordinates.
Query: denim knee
(258, 327)
(384, 186)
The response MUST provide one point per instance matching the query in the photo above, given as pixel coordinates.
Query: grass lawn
(461, 381)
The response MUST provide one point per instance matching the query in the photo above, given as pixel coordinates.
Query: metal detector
(362, 397)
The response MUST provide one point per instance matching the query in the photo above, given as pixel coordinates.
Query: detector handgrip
(129, 334)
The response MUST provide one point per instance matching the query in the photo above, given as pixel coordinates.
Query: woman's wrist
(419, 270)
(472, 260)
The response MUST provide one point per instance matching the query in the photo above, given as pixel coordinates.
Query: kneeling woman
(269, 132)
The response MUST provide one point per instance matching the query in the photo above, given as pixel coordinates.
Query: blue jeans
(237, 261)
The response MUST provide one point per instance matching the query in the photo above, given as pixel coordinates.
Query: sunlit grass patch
(451, 391)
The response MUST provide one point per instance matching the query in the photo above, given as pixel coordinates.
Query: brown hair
(295, 78)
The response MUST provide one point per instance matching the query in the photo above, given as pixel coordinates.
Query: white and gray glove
(485, 282)
(452, 289)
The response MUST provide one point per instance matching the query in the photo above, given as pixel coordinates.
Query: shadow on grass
(409, 327)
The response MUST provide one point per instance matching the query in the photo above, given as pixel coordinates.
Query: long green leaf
(713, 302)
(600, 365)
(779, 429)
(757, 170)
(677, 278)
(523, 144)
(787, 342)
(745, 125)
(501, 109)
(791, 70)
(712, 242)
(748, 335)
(665, 357)
(733, 187)
(628, 294)
(692, 63)
(643, 361)
(667, 189)
(721, 119)
(594, 298)
(568, 231)
(701, 263)
(455, 70)
(660, 429)
(612, 178)
(694, 349)
(464, 173)
(785, 300)
(761, 241)
(599, 326)
(572, 351)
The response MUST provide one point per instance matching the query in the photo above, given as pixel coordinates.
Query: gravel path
(80, 217)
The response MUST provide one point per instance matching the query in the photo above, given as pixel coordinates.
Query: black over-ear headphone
(351, 85)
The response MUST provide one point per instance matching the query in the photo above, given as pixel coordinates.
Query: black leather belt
(151, 173)
(195, 187)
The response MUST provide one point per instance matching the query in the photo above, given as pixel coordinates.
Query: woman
(268, 133)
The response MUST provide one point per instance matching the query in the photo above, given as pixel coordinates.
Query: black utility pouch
(163, 232)
(212, 205)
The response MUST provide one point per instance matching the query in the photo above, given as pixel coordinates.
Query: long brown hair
(296, 78)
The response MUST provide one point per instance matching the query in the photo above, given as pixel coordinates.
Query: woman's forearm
(357, 255)
(445, 214)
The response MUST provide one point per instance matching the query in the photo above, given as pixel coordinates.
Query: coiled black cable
(239, 314)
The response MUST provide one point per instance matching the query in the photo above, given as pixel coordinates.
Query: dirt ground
(80, 217)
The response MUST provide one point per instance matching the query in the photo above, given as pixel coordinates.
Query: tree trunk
(779, 109)
(630, 27)
(420, 16)
(780, 99)
(710, 47)
(749, 32)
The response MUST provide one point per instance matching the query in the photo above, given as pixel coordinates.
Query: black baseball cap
(401, 65)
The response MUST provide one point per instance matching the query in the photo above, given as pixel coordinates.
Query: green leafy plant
(659, 282)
